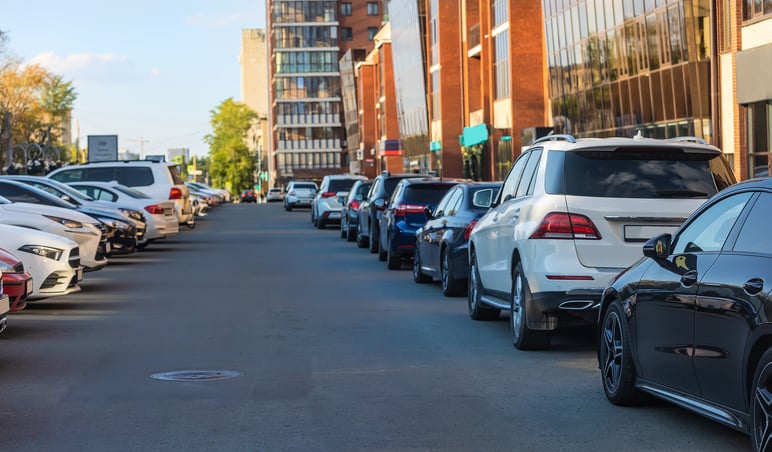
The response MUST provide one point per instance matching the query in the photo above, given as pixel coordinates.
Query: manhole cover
(196, 375)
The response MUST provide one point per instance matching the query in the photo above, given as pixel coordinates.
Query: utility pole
(141, 142)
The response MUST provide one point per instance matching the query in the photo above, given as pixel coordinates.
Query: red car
(17, 283)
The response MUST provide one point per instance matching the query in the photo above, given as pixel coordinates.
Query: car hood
(13, 237)
(27, 209)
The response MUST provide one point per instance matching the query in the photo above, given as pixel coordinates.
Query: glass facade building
(408, 37)
(306, 86)
(621, 66)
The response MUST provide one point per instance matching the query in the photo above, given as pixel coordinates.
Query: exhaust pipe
(577, 305)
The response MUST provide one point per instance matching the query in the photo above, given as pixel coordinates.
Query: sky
(149, 71)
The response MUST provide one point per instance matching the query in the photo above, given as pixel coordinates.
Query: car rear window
(636, 174)
(341, 184)
(425, 193)
(138, 176)
(304, 186)
(174, 171)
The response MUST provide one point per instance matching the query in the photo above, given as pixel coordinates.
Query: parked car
(274, 195)
(67, 223)
(53, 261)
(350, 214)
(87, 204)
(4, 307)
(690, 322)
(571, 215)
(120, 233)
(441, 249)
(327, 205)
(248, 196)
(225, 194)
(16, 282)
(299, 194)
(405, 213)
(159, 180)
(213, 197)
(373, 206)
(159, 215)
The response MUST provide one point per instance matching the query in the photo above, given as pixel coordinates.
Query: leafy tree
(20, 90)
(231, 165)
(57, 101)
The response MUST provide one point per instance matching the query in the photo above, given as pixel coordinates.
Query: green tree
(57, 100)
(231, 165)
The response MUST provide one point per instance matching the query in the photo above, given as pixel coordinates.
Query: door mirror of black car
(483, 198)
(658, 247)
(428, 211)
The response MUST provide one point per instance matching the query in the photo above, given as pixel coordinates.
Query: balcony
(474, 42)
(328, 120)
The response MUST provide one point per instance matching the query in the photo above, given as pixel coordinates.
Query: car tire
(477, 309)
(351, 233)
(419, 277)
(288, 208)
(361, 239)
(320, 223)
(344, 227)
(523, 337)
(392, 262)
(450, 287)
(761, 400)
(616, 358)
(381, 252)
(372, 240)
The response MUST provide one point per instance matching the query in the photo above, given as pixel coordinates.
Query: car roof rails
(557, 137)
(386, 173)
(690, 139)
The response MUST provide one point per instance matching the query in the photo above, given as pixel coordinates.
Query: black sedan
(691, 322)
(442, 243)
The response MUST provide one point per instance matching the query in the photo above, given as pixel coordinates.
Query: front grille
(74, 259)
(52, 281)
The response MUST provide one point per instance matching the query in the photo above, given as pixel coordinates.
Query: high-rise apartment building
(253, 60)
(307, 38)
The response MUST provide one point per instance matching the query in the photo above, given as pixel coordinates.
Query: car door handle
(753, 286)
(689, 278)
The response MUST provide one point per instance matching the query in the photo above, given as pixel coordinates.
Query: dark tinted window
(73, 175)
(425, 193)
(100, 174)
(390, 184)
(341, 184)
(137, 176)
(31, 195)
(174, 171)
(639, 174)
(306, 186)
(754, 236)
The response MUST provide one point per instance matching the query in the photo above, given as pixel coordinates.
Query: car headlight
(65, 222)
(133, 214)
(45, 251)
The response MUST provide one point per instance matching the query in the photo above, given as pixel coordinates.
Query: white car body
(159, 214)
(67, 223)
(50, 276)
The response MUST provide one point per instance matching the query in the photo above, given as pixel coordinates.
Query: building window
(755, 9)
(501, 64)
(345, 8)
(435, 96)
(500, 12)
(372, 8)
(346, 34)
(759, 125)
(371, 32)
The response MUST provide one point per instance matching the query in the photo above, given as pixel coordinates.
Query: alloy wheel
(516, 314)
(613, 352)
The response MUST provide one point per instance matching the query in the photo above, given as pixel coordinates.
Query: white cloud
(155, 72)
(87, 66)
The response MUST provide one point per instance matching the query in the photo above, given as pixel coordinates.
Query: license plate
(4, 305)
(334, 214)
(635, 233)
(79, 274)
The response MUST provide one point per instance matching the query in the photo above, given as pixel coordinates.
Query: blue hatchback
(405, 212)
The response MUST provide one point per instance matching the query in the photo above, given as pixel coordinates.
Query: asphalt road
(334, 351)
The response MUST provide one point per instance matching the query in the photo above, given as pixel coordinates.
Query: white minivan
(159, 180)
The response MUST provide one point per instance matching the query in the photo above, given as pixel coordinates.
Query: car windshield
(131, 192)
(643, 174)
(428, 194)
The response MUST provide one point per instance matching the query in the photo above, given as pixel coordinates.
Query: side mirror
(483, 198)
(658, 247)
(428, 211)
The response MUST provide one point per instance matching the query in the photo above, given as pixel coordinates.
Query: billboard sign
(102, 148)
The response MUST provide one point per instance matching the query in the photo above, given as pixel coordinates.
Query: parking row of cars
(52, 232)
(652, 241)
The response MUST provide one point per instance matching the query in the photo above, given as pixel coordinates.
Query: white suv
(299, 194)
(572, 214)
(159, 180)
(327, 206)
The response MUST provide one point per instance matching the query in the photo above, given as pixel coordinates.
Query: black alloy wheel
(761, 411)
(419, 277)
(450, 287)
(616, 359)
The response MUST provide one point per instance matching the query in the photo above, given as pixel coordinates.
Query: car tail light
(559, 225)
(401, 210)
(355, 205)
(154, 209)
(468, 230)
(175, 193)
(292, 193)
(328, 194)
